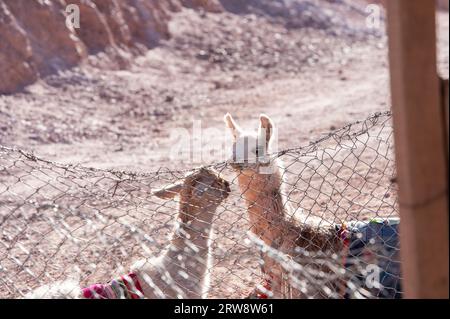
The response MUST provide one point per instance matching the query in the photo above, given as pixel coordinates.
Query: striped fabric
(125, 287)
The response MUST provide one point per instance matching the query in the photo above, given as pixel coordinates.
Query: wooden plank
(420, 148)
(445, 105)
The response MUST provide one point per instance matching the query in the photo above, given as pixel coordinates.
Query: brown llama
(272, 219)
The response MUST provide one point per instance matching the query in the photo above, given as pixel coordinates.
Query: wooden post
(420, 148)
(445, 105)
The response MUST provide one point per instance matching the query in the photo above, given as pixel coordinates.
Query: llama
(187, 259)
(181, 271)
(281, 229)
(272, 219)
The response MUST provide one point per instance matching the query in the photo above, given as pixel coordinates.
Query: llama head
(200, 193)
(250, 150)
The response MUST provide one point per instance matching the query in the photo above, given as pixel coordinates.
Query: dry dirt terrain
(307, 80)
(312, 73)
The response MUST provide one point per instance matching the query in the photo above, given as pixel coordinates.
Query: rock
(218, 85)
(116, 20)
(16, 66)
(94, 29)
(203, 55)
(36, 42)
(53, 45)
(207, 5)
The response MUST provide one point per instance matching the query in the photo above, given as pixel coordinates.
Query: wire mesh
(60, 222)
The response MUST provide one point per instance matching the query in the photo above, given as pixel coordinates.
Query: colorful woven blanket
(125, 287)
(371, 259)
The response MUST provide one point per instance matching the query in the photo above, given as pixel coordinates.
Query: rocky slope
(35, 41)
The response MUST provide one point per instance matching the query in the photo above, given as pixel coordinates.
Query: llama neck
(256, 186)
(262, 193)
(187, 257)
(312, 238)
(192, 236)
(181, 271)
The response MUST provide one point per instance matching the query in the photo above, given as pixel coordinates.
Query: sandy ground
(308, 81)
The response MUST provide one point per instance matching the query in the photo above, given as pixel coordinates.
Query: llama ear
(231, 124)
(169, 191)
(266, 126)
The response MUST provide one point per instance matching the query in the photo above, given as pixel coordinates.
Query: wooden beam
(445, 106)
(420, 148)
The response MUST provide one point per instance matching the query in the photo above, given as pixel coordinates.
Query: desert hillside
(36, 41)
(136, 69)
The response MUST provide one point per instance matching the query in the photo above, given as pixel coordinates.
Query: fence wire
(336, 236)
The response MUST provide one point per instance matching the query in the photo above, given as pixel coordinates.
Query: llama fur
(182, 270)
(272, 219)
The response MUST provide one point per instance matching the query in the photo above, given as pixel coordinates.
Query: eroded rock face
(208, 5)
(94, 31)
(53, 45)
(35, 41)
(16, 65)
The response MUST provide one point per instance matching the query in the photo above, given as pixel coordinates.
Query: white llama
(182, 269)
(272, 219)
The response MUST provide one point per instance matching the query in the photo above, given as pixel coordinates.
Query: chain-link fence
(198, 235)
